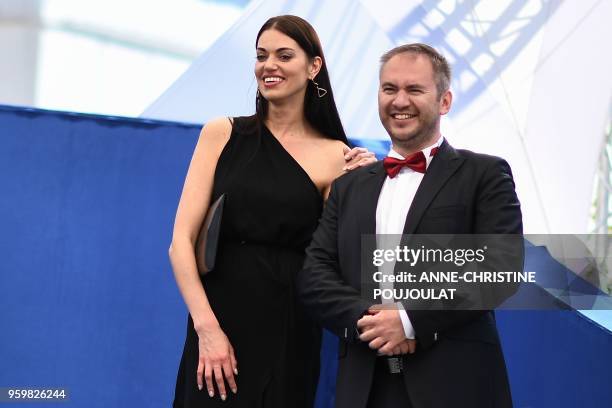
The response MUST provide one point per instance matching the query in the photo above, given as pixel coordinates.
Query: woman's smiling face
(282, 68)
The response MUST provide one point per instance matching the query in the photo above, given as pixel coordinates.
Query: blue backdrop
(87, 296)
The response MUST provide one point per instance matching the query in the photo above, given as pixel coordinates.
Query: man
(443, 358)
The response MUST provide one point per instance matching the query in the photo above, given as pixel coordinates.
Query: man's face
(408, 103)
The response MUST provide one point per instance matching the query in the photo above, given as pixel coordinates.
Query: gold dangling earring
(321, 92)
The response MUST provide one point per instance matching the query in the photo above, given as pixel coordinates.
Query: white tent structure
(531, 82)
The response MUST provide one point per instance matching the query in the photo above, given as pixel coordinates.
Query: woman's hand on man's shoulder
(357, 157)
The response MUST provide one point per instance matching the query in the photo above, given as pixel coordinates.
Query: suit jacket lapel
(370, 187)
(369, 190)
(444, 164)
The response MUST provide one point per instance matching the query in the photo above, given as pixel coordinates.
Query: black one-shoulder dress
(271, 211)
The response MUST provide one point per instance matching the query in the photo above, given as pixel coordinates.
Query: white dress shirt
(394, 201)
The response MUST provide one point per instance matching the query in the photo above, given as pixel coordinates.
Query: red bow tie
(416, 162)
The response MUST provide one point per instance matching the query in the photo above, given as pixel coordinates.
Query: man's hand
(384, 331)
(407, 346)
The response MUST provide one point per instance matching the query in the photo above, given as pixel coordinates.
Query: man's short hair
(441, 68)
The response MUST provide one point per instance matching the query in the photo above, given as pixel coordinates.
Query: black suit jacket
(459, 361)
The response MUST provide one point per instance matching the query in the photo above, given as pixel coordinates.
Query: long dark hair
(321, 113)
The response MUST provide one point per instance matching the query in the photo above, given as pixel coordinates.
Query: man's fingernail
(347, 157)
(235, 371)
(344, 168)
(211, 393)
(200, 387)
(223, 397)
(234, 390)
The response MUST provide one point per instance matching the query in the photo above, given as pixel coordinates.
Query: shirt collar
(426, 151)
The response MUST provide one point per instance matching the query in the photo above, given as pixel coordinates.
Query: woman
(275, 168)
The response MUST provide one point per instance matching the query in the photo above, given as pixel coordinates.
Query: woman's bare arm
(217, 360)
(194, 202)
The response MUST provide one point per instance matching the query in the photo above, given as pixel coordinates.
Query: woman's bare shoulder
(217, 130)
(334, 149)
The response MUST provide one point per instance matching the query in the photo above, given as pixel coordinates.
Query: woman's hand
(217, 361)
(357, 157)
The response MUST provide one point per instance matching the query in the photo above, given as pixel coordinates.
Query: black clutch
(208, 238)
